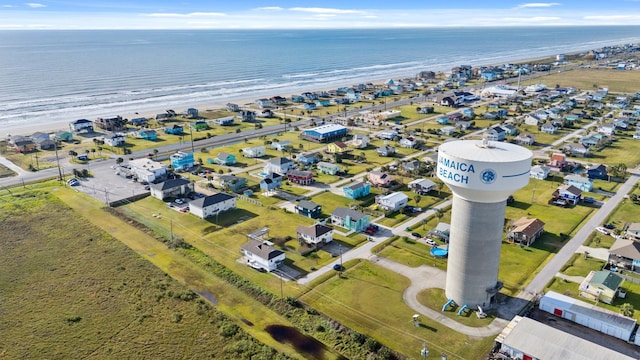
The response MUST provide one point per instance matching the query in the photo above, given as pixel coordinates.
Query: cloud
(269, 8)
(326, 10)
(537, 5)
(534, 18)
(35, 5)
(7, 6)
(611, 17)
(193, 14)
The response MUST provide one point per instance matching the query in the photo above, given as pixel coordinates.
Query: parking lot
(105, 185)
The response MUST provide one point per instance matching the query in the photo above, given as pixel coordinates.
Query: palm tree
(626, 309)
(155, 154)
(622, 169)
(417, 199)
(439, 214)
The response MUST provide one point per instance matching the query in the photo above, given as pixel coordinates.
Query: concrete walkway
(15, 168)
(575, 279)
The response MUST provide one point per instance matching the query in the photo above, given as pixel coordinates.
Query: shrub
(177, 317)
(229, 330)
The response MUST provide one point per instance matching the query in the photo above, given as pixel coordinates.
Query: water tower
(481, 175)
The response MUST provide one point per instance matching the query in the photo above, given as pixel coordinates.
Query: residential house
(247, 116)
(22, 144)
(199, 125)
(225, 158)
(441, 231)
(147, 134)
(116, 123)
(349, 219)
(606, 129)
(114, 140)
(636, 135)
(309, 106)
(232, 182)
(225, 121)
(262, 256)
(525, 139)
(254, 152)
(356, 190)
(558, 162)
(463, 125)
(182, 161)
(338, 147)
(44, 144)
(411, 165)
(532, 119)
(81, 125)
(281, 145)
(359, 141)
(328, 168)
(386, 150)
(325, 133)
(63, 135)
(315, 235)
(306, 158)
(576, 149)
(264, 103)
(633, 231)
(408, 142)
(581, 182)
(379, 178)
(174, 130)
(171, 188)
(591, 140)
(422, 186)
(387, 135)
(192, 113)
(309, 209)
(495, 133)
(525, 231)
(625, 254)
(39, 136)
(302, 177)
(448, 130)
(265, 113)
(548, 128)
(568, 193)
(279, 165)
(271, 182)
(323, 103)
(597, 171)
(600, 285)
(392, 202)
(141, 121)
(509, 129)
(147, 170)
(212, 205)
(442, 120)
(539, 172)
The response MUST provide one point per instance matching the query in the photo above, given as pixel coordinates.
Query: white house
(114, 140)
(422, 186)
(549, 128)
(315, 234)
(539, 172)
(254, 152)
(147, 170)
(393, 201)
(212, 205)
(261, 255)
(279, 165)
(359, 141)
(171, 188)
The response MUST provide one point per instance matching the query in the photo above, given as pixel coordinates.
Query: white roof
(423, 182)
(395, 197)
(146, 164)
(327, 128)
(545, 342)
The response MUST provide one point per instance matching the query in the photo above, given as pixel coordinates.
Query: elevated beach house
(261, 255)
(309, 209)
(254, 152)
(539, 172)
(625, 254)
(392, 202)
(302, 177)
(81, 125)
(315, 235)
(379, 178)
(327, 168)
(356, 190)
(271, 182)
(349, 219)
(225, 158)
(280, 165)
(114, 140)
(232, 182)
(581, 182)
(569, 193)
(422, 186)
(182, 161)
(525, 231)
(600, 285)
(174, 130)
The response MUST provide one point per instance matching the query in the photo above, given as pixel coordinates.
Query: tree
(155, 154)
(417, 199)
(119, 160)
(439, 214)
(626, 309)
(301, 146)
(73, 153)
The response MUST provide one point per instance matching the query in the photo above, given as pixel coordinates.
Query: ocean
(60, 76)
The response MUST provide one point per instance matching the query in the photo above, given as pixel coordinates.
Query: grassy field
(579, 266)
(74, 291)
(591, 79)
(6, 172)
(370, 298)
(435, 298)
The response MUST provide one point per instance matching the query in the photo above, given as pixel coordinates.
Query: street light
(424, 352)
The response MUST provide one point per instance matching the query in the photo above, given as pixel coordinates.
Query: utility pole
(58, 161)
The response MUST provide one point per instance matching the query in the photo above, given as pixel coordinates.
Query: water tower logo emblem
(488, 176)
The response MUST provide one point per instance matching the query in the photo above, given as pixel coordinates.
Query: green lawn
(370, 298)
(579, 266)
(435, 298)
(6, 172)
(625, 150)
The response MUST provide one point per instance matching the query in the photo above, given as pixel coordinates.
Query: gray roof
(170, 184)
(280, 161)
(210, 200)
(355, 185)
(629, 249)
(306, 204)
(545, 342)
(344, 212)
(261, 249)
(313, 230)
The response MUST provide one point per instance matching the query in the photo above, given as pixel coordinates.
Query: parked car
(430, 242)
(338, 267)
(588, 200)
(179, 201)
(415, 234)
(73, 182)
(602, 230)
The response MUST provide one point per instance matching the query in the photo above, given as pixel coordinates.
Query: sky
(327, 14)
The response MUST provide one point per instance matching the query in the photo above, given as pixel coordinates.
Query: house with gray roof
(212, 205)
(262, 255)
(350, 219)
(625, 254)
(171, 188)
(315, 235)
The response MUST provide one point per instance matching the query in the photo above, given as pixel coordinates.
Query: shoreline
(26, 130)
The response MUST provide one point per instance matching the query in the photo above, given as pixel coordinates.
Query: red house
(302, 177)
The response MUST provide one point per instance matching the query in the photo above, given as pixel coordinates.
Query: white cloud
(7, 6)
(269, 8)
(193, 14)
(537, 5)
(35, 5)
(533, 19)
(326, 10)
(612, 17)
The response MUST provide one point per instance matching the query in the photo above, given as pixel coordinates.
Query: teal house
(349, 219)
(174, 130)
(182, 161)
(224, 158)
(233, 183)
(148, 135)
(356, 190)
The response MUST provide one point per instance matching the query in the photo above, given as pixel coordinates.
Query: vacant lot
(591, 79)
(73, 291)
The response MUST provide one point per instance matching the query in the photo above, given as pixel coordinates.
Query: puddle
(302, 343)
(209, 296)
